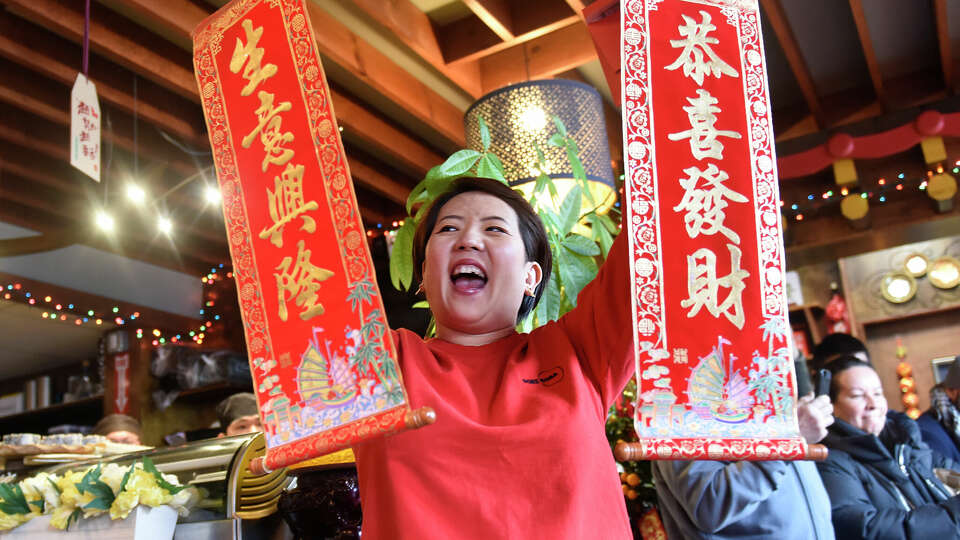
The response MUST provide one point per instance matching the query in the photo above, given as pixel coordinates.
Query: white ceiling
(31, 344)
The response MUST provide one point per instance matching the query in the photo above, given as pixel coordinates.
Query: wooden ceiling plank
(495, 14)
(556, 52)
(943, 41)
(355, 116)
(382, 75)
(35, 95)
(44, 56)
(113, 43)
(791, 49)
(577, 6)
(469, 53)
(185, 241)
(869, 54)
(389, 141)
(377, 181)
(413, 28)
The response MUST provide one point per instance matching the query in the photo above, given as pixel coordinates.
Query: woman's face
(860, 400)
(476, 272)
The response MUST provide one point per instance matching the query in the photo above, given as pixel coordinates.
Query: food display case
(236, 503)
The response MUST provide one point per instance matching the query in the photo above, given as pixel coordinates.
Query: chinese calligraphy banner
(715, 376)
(324, 366)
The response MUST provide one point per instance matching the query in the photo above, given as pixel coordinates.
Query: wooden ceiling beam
(413, 28)
(381, 75)
(377, 181)
(553, 53)
(495, 14)
(361, 122)
(460, 47)
(154, 59)
(943, 41)
(391, 143)
(46, 53)
(132, 239)
(791, 49)
(869, 54)
(21, 88)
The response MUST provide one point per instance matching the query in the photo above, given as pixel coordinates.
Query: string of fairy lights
(57, 309)
(880, 190)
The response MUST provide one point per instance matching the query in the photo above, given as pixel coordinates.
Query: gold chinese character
(300, 283)
(703, 205)
(696, 46)
(286, 204)
(251, 56)
(702, 133)
(703, 286)
(268, 127)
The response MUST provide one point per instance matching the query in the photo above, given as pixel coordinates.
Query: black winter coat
(884, 487)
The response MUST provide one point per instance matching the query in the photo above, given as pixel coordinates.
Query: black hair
(531, 231)
(834, 346)
(838, 366)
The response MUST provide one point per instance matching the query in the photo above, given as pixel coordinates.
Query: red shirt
(519, 448)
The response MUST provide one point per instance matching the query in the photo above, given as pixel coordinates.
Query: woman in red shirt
(518, 449)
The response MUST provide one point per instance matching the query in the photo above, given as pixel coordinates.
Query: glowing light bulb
(104, 221)
(164, 225)
(211, 194)
(136, 194)
(533, 119)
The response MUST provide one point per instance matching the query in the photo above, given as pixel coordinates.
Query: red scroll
(715, 377)
(321, 355)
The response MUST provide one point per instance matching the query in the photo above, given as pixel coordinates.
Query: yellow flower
(60, 516)
(123, 505)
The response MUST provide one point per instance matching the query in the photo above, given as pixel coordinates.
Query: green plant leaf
(581, 245)
(556, 140)
(55, 486)
(152, 469)
(573, 155)
(570, 209)
(13, 500)
(401, 258)
(487, 168)
(542, 180)
(422, 304)
(460, 162)
(560, 126)
(126, 477)
(604, 238)
(484, 134)
(552, 299)
(417, 194)
(575, 272)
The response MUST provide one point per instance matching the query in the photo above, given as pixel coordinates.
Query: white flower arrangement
(97, 490)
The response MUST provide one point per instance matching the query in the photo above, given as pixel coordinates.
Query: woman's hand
(814, 415)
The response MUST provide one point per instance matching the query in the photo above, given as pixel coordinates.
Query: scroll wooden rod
(413, 419)
(625, 451)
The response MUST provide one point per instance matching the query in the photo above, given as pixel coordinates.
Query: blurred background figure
(940, 425)
(119, 428)
(834, 346)
(239, 414)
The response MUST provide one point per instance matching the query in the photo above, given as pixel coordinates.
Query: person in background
(119, 428)
(749, 499)
(239, 415)
(834, 346)
(940, 425)
(879, 473)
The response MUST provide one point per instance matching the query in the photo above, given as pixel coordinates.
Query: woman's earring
(529, 291)
(420, 288)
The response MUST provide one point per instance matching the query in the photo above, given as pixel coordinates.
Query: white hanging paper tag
(85, 127)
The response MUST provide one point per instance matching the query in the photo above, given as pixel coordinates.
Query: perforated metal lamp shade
(520, 120)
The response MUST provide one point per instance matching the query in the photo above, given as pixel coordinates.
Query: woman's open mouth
(468, 278)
